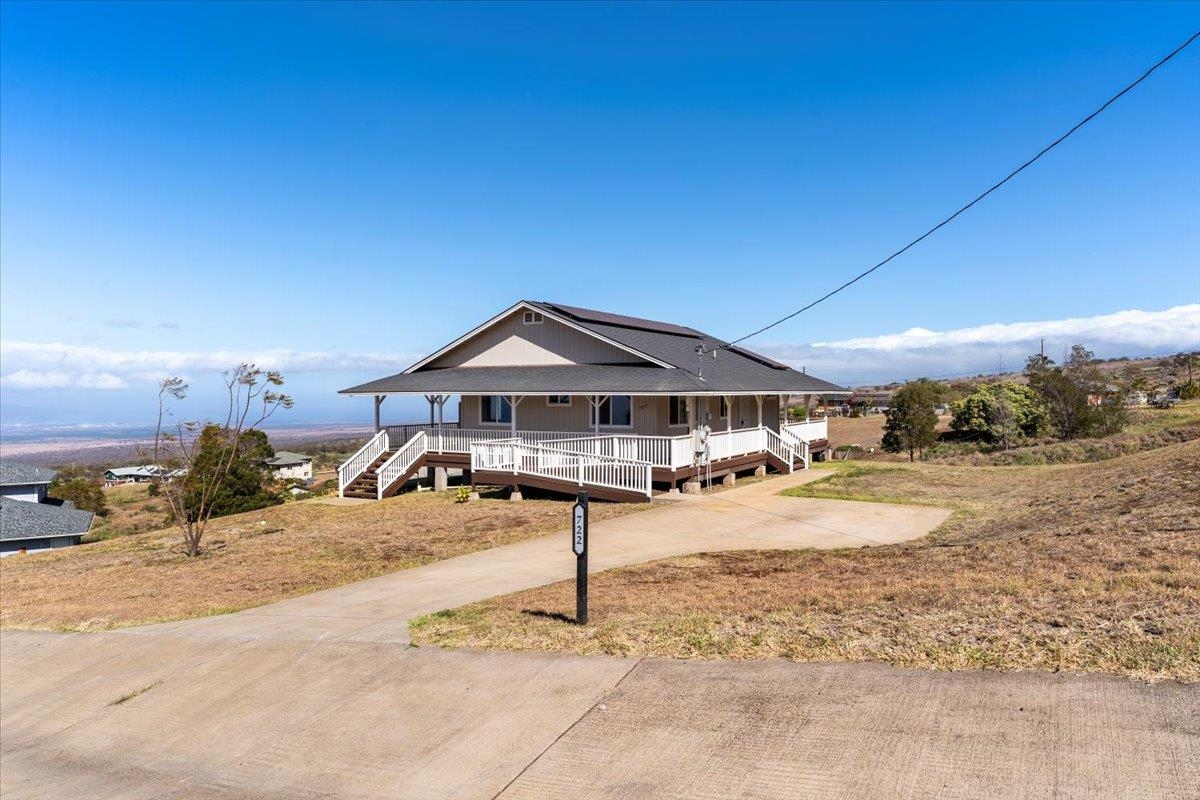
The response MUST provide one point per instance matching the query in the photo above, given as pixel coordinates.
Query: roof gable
(505, 340)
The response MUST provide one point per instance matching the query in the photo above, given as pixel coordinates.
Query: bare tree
(190, 491)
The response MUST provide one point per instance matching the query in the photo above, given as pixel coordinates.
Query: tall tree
(911, 424)
(195, 459)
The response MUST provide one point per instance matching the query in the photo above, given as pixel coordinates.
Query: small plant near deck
(462, 494)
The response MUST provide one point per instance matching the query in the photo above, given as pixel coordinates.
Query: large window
(495, 409)
(615, 410)
(677, 413)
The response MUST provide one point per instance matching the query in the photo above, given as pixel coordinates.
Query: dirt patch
(260, 557)
(1092, 567)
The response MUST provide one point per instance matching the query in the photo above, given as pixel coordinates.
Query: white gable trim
(556, 317)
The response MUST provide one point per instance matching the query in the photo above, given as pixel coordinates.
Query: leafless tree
(190, 491)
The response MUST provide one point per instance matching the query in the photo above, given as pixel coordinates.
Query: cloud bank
(856, 361)
(35, 365)
(984, 348)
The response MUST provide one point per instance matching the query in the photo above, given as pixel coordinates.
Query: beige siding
(650, 415)
(510, 342)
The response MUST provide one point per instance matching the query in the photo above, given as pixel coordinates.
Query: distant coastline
(101, 444)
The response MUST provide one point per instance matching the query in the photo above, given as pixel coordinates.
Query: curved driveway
(753, 516)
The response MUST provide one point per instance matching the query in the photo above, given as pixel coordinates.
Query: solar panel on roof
(620, 320)
(756, 357)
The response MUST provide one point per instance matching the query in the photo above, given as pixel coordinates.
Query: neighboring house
(568, 398)
(29, 519)
(144, 473)
(286, 465)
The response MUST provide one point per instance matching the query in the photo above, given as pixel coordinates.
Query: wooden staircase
(366, 486)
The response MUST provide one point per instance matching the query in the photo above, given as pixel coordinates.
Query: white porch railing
(400, 462)
(781, 448)
(582, 469)
(810, 430)
(358, 463)
(668, 452)
(728, 444)
(799, 445)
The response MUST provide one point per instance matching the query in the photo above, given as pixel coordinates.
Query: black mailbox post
(579, 543)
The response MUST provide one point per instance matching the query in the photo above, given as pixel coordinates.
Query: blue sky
(357, 184)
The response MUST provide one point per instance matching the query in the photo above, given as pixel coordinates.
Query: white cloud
(38, 365)
(58, 379)
(32, 379)
(101, 380)
(984, 348)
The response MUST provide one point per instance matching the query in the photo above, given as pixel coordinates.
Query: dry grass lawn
(1088, 567)
(260, 557)
(131, 509)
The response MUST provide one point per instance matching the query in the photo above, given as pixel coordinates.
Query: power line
(993, 188)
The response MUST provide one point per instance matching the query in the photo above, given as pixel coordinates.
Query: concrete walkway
(119, 715)
(753, 516)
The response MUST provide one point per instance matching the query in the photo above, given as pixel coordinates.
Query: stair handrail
(781, 448)
(801, 446)
(400, 462)
(361, 461)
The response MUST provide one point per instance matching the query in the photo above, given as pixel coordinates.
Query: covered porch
(623, 447)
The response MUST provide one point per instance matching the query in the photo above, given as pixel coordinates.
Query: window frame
(594, 417)
(504, 401)
(681, 402)
(551, 397)
(531, 317)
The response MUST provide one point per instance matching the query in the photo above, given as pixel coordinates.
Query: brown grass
(131, 509)
(260, 557)
(1092, 567)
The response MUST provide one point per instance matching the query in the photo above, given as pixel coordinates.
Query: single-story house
(144, 473)
(286, 465)
(30, 520)
(568, 399)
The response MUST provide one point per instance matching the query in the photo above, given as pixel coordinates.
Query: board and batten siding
(649, 413)
(510, 342)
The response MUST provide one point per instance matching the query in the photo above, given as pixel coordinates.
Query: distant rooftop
(13, 473)
(286, 458)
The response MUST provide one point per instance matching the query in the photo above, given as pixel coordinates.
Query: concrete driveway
(319, 697)
(753, 516)
(120, 715)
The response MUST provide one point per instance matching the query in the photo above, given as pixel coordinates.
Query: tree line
(1072, 400)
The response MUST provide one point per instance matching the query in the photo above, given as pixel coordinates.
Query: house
(144, 473)
(286, 465)
(569, 399)
(29, 519)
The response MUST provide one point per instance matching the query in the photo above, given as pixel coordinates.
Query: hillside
(1088, 567)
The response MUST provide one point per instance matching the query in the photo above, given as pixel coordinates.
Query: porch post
(728, 412)
(594, 403)
(379, 398)
(513, 401)
(759, 398)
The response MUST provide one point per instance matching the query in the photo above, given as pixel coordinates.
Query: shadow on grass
(554, 615)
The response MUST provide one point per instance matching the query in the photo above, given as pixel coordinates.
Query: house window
(615, 410)
(558, 400)
(534, 318)
(677, 413)
(495, 409)
(722, 409)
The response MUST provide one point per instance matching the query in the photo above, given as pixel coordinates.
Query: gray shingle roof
(13, 473)
(22, 520)
(735, 370)
(286, 458)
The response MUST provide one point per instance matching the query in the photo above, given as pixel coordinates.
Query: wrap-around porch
(626, 448)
